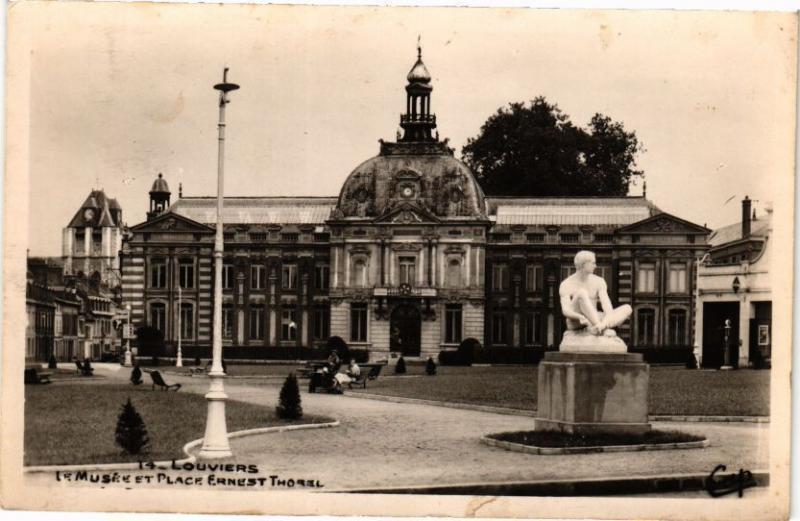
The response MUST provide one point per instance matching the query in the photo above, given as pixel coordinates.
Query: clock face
(407, 191)
(88, 214)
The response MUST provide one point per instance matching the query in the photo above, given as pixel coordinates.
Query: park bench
(159, 381)
(368, 372)
(83, 370)
(310, 368)
(34, 376)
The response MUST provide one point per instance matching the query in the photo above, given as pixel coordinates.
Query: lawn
(672, 390)
(75, 424)
(277, 370)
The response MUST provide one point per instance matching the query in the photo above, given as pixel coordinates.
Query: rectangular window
(677, 327)
(358, 322)
(533, 328)
(570, 238)
(645, 322)
(257, 322)
(288, 325)
(408, 270)
(452, 324)
(289, 237)
(603, 237)
(322, 320)
(258, 276)
(258, 237)
(186, 273)
(677, 278)
(227, 276)
(500, 277)
(158, 273)
(322, 277)
(646, 278)
(187, 320)
(535, 237)
(289, 276)
(158, 316)
(499, 328)
(227, 321)
(534, 278)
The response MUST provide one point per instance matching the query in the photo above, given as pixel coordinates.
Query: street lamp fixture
(215, 441)
(127, 335)
(179, 361)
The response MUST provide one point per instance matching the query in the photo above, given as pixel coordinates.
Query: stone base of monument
(593, 392)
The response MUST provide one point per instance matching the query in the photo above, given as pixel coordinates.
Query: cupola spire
(418, 122)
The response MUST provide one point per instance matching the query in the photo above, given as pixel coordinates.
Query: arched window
(158, 316)
(645, 324)
(454, 273)
(187, 320)
(677, 327)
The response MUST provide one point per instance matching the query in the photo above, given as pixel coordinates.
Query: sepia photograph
(398, 261)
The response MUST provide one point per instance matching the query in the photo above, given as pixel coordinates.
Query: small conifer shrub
(289, 407)
(430, 367)
(131, 432)
(52, 364)
(400, 368)
(136, 375)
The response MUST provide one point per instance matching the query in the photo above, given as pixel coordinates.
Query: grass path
(672, 390)
(76, 423)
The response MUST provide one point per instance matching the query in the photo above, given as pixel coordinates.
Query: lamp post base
(215, 441)
(127, 362)
(726, 368)
(179, 361)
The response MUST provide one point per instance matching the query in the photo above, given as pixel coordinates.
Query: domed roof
(419, 73)
(160, 185)
(438, 185)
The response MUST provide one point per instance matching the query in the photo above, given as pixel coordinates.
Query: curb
(186, 448)
(449, 405)
(587, 487)
(552, 451)
(532, 413)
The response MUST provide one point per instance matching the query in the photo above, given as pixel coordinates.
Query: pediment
(170, 222)
(664, 223)
(408, 214)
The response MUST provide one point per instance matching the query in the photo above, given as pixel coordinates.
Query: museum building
(411, 257)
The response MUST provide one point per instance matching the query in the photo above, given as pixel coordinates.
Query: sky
(120, 93)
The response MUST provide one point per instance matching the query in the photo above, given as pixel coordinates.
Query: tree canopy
(535, 150)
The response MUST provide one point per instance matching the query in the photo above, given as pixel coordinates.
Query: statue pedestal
(593, 393)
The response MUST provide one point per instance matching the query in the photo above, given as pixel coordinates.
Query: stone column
(744, 331)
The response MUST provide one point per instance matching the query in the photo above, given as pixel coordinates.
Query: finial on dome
(419, 47)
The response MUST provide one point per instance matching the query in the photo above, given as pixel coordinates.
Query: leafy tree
(430, 367)
(131, 432)
(535, 150)
(289, 407)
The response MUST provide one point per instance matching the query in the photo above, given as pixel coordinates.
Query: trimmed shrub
(136, 375)
(691, 361)
(466, 349)
(361, 356)
(430, 367)
(197, 361)
(52, 363)
(337, 343)
(289, 407)
(400, 368)
(131, 432)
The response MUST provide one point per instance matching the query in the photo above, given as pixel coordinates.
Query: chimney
(746, 217)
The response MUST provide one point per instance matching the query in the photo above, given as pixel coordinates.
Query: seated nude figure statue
(579, 295)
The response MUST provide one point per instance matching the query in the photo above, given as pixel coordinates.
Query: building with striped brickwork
(411, 257)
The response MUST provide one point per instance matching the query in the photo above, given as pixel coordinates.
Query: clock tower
(93, 239)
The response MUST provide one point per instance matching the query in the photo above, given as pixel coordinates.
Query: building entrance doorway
(405, 326)
(714, 316)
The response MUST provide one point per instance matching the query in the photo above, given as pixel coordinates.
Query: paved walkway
(383, 444)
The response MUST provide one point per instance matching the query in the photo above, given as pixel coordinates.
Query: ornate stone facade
(411, 257)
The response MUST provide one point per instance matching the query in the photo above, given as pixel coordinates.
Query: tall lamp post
(127, 336)
(179, 361)
(215, 442)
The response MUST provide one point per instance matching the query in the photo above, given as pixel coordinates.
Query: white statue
(579, 295)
